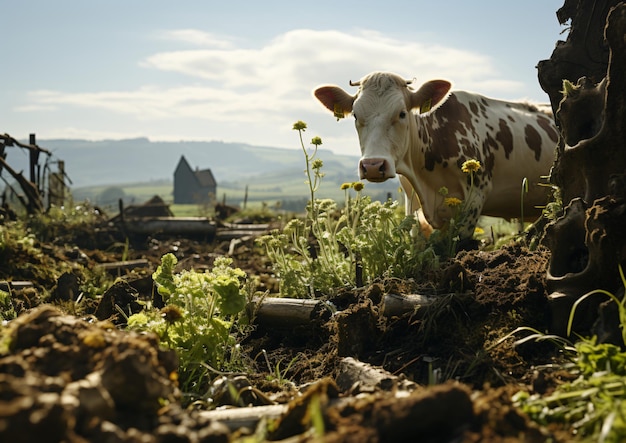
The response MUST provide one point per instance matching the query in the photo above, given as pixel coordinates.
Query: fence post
(34, 160)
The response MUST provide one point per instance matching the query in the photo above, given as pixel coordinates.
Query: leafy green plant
(64, 220)
(445, 240)
(332, 245)
(7, 310)
(594, 404)
(196, 322)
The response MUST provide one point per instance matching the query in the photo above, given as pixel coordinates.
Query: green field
(287, 190)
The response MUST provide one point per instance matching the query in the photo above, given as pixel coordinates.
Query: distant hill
(92, 164)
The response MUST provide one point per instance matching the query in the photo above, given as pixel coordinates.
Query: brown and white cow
(425, 135)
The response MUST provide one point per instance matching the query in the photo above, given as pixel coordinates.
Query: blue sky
(244, 71)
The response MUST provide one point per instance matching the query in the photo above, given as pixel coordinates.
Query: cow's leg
(413, 207)
(411, 201)
(425, 227)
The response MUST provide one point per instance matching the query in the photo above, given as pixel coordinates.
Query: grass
(262, 190)
(593, 405)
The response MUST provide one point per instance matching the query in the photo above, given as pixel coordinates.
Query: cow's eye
(402, 114)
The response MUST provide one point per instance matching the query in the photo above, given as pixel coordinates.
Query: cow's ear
(338, 101)
(430, 95)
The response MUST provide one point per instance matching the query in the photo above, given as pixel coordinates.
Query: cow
(425, 135)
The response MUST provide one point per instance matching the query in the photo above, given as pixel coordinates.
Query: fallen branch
(277, 311)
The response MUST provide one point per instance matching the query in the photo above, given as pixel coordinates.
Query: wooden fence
(42, 185)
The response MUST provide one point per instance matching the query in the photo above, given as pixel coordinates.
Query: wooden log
(116, 267)
(238, 418)
(352, 373)
(15, 285)
(230, 234)
(246, 226)
(396, 305)
(170, 225)
(357, 377)
(278, 311)
(230, 231)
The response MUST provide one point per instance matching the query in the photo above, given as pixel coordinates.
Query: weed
(59, 220)
(522, 194)
(621, 305)
(201, 308)
(594, 404)
(7, 310)
(277, 373)
(335, 247)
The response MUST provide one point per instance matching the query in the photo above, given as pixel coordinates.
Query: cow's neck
(411, 164)
(424, 183)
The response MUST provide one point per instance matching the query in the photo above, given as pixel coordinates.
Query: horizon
(198, 72)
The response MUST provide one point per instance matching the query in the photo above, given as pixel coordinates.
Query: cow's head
(382, 109)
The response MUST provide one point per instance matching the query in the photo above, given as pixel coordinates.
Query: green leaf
(164, 275)
(230, 298)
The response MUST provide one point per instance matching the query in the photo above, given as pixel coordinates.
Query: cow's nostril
(374, 169)
(381, 169)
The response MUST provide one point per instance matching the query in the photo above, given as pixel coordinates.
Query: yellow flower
(299, 126)
(452, 201)
(345, 186)
(358, 186)
(443, 191)
(316, 141)
(471, 166)
(171, 313)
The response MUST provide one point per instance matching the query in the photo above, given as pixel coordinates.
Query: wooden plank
(124, 265)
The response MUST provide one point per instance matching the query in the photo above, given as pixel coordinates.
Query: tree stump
(588, 241)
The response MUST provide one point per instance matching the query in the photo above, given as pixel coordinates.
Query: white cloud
(197, 37)
(313, 56)
(268, 86)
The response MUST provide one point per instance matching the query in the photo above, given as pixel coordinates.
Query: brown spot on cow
(423, 135)
(489, 160)
(483, 110)
(505, 137)
(444, 144)
(533, 140)
(489, 145)
(548, 127)
(474, 108)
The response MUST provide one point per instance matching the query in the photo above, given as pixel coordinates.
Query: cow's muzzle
(375, 169)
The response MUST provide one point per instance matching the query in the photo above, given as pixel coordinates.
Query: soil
(442, 373)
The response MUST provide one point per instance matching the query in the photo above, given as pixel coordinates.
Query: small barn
(193, 186)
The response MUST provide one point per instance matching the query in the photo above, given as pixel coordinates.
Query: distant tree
(110, 196)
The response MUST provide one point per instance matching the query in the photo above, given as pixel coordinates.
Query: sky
(244, 71)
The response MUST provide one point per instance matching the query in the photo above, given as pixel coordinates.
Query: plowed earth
(439, 373)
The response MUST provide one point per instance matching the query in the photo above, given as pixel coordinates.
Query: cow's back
(511, 140)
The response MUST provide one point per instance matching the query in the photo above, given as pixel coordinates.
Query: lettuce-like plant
(201, 308)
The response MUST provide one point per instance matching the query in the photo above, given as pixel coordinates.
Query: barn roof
(204, 176)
